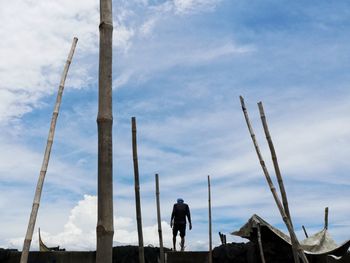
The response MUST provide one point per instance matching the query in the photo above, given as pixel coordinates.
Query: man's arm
(188, 214)
(172, 217)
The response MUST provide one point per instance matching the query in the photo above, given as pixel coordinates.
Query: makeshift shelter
(275, 243)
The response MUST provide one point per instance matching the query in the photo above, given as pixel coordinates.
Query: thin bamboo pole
(105, 228)
(326, 218)
(272, 188)
(306, 235)
(159, 219)
(210, 231)
(221, 238)
(260, 245)
(45, 163)
(275, 161)
(137, 191)
(277, 169)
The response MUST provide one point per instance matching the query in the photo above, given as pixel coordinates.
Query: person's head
(180, 201)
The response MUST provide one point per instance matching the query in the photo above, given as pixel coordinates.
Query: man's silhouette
(178, 221)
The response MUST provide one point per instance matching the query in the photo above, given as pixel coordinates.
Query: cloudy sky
(179, 67)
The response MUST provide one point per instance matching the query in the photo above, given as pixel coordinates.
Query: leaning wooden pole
(275, 161)
(260, 245)
(45, 163)
(326, 218)
(210, 231)
(137, 191)
(276, 167)
(296, 250)
(105, 228)
(306, 235)
(159, 220)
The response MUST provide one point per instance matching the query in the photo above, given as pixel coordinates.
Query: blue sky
(179, 67)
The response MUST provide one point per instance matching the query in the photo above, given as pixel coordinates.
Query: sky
(179, 67)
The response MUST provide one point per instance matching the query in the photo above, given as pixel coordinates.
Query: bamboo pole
(260, 245)
(161, 248)
(326, 218)
(277, 168)
(210, 231)
(221, 238)
(105, 228)
(275, 161)
(306, 235)
(273, 190)
(137, 191)
(45, 163)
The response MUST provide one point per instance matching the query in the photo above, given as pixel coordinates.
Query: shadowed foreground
(229, 253)
(124, 254)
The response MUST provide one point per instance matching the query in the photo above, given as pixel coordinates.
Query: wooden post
(210, 232)
(296, 248)
(105, 228)
(221, 238)
(260, 245)
(274, 160)
(159, 219)
(326, 218)
(137, 191)
(45, 163)
(277, 169)
(305, 232)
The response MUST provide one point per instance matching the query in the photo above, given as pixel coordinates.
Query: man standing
(178, 221)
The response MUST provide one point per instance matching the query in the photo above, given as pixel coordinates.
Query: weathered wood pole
(306, 235)
(326, 218)
(260, 245)
(275, 161)
(45, 163)
(276, 167)
(273, 191)
(137, 191)
(210, 231)
(221, 238)
(159, 219)
(105, 228)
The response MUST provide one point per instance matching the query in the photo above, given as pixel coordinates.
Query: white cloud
(147, 27)
(21, 165)
(15, 103)
(79, 232)
(194, 6)
(221, 51)
(44, 30)
(122, 37)
(36, 45)
(140, 68)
